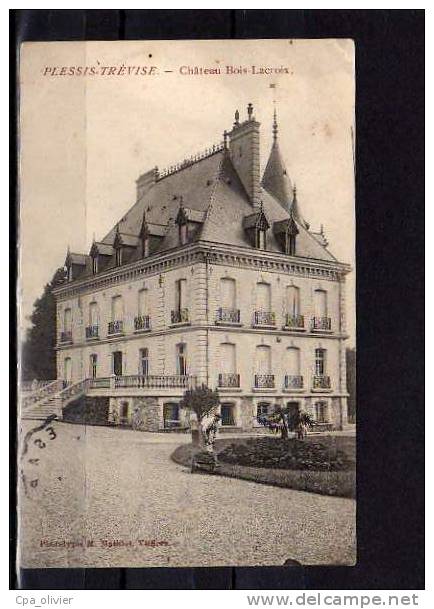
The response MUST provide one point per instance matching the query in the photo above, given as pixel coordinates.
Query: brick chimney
(146, 181)
(244, 153)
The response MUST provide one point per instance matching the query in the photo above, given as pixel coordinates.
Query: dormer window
(69, 272)
(145, 246)
(95, 265)
(290, 244)
(256, 226)
(183, 234)
(261, 239)
(118, 256)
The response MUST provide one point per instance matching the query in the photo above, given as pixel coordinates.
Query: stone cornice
(213, 253)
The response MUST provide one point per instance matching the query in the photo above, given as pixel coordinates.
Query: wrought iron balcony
(180, 316)
(293, 381)
(141, 322)
(264, 381)
(66, 336)
(264, 318)
(321, 323)
(229, 379)
(92, 332)
(228, 316)
(116, 327)
(295, 322)
(321, 381)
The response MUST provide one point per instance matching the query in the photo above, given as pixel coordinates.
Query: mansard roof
(207, 191)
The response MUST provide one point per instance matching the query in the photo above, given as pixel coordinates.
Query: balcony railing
(321, 382)
(138, 381)
(293, 381)
(264, 381)
(294, 321)
(116, 327)
(264, 318)
(99, 383)
(92, 332)
(66, 336)
(141, 322)
(229, 379)
(321, 323)
(228, 316)
(180, 316)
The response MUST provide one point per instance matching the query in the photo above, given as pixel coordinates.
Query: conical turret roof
(275, 179)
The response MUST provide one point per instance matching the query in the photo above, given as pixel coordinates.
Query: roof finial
(237, 118)
(250, 111)
(275, 126)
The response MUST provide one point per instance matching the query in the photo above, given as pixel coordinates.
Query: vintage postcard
(187, 304)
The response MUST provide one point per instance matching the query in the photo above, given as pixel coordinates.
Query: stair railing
(41, 393)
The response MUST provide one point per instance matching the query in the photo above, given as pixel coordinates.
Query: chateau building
(213, 276)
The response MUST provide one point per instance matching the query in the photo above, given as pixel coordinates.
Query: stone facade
(204, 306)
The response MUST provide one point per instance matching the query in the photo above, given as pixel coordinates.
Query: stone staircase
(50, 400)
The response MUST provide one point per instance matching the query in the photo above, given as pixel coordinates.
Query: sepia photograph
(186, 293)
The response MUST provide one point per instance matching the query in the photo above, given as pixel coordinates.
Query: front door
(124, 413)
(117, 363)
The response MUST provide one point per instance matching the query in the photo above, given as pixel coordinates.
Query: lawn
(319, 464)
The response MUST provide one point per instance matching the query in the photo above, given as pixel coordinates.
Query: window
(93, 314)
(67, 370)
(145, 246)
(93, 365)
(142, 302)
(261, 239)
(228, 293)
(144, 361)
(181, 359)
(69, 272)
(117, 363)
(95, 264)
(118, 256)
(67, 320)
(320, 303)
(320, 362)
(180, 294)
(117, 308)
(171, 415)
(321, 412)
(263, 359)
(293, 300)
(290, 244)
(228, 364)
(183, 234)
(293, 361)
(262, 409)
(227, 410)
(263, 297)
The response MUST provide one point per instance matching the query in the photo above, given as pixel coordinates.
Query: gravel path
(116, 495)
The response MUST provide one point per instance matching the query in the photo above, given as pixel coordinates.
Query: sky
(85, 139)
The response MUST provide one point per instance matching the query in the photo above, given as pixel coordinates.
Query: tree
(202, 401)
(38, 358)
(283, 420)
